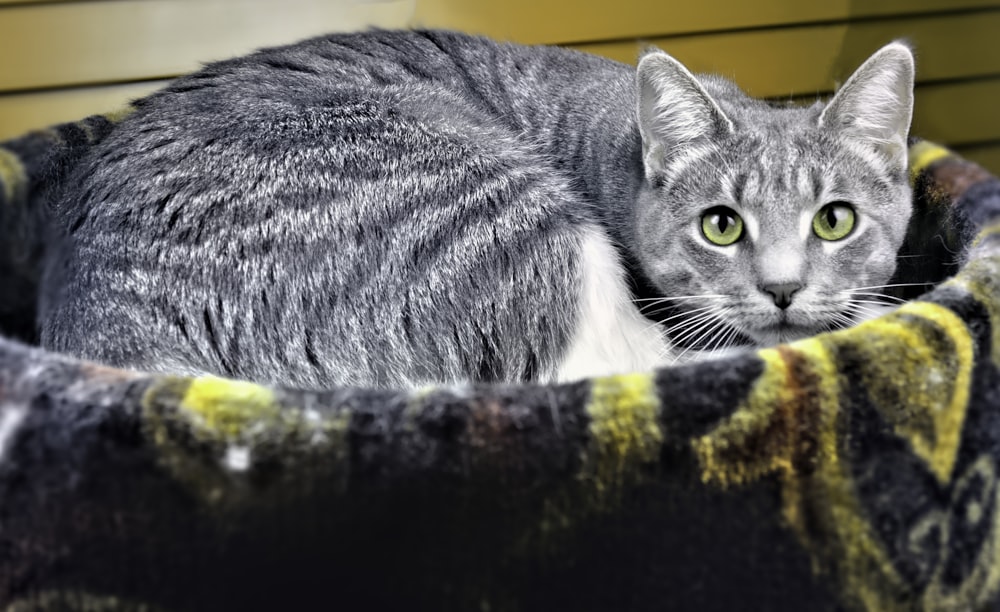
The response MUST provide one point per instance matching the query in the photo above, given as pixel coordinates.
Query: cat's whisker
(681, 340)
(879, 295)
(714, 340)
(690, 331)
(690, 326)
(861, 305)
(734, 337)
(688, 313)
(854, 307)
(875, 303)
(842, 316)
(692, 317)
(860, 312)
(679, 297)
(726, 341)
(654, 302)
(884, 286)
(860, 316)
(658, 308)
(676, 316)
(875, 299)
(652, 313)
(843, 321)
(709, 328)
(716, 326)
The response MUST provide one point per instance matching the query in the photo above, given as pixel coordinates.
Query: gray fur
(393, 208)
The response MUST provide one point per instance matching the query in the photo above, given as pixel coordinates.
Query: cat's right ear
(876, 104)
(675, 111)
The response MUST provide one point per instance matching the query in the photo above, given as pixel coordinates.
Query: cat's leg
(610, 335)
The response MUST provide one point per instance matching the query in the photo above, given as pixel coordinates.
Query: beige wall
(67, 59)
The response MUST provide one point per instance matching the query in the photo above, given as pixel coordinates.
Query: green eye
(721, 226)
(834, 221)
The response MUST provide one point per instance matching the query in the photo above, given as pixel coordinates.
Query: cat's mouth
(743, 337)
(701, 332)
(779, 333)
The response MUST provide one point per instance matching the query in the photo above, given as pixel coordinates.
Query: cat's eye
(834, 221)
(721, 226)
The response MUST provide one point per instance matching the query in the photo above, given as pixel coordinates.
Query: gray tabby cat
(399, 208)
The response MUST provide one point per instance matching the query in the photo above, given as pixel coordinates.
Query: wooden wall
(66, 59)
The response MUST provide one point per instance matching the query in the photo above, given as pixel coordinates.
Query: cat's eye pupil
(834, 221)
(721, 226)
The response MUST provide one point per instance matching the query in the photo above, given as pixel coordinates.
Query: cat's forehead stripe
(738, 186)
(817, 182)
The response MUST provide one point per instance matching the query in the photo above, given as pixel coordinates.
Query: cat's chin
(780, 334)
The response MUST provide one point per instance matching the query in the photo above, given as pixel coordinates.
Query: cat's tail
(32, 167)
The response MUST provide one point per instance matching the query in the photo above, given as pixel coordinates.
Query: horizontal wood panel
(953, 113)
(20, 113)
(772, 63)
(986, 156)
(958, 112)
(119, 40)
(555, 21)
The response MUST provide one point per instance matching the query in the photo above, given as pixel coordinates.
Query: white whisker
(653, 313)
(861, 305)
(860, 314)
(879, 295)
(679, 297)
(726, 341)
(843, 320)
(874, 303)
(667, 302)
(678, 315)
(718, 320)
(885, 286)
(690, 326)
(707, 330)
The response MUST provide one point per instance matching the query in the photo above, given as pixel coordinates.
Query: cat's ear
(674, 109)
(876, 103)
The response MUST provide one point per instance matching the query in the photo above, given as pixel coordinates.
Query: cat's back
(329, 70)
(356, 208)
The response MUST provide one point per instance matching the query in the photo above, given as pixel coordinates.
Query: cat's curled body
(398, 208)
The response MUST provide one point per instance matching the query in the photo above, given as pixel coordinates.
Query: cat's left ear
(675, 110)
(876, 103)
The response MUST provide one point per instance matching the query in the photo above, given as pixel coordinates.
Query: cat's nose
(782, 293)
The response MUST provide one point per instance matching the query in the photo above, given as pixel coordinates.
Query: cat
(399, 208)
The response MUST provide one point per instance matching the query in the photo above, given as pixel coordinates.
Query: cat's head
(782, 219)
